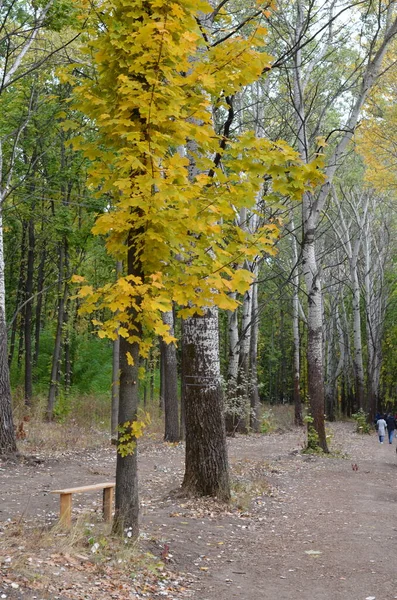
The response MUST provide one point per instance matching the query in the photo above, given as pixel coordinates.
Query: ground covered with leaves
(299, 526)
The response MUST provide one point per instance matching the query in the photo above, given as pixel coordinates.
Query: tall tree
(167, 220)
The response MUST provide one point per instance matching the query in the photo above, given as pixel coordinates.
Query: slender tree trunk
(255, 416)
(116, 388)
(162, 382)
(244, 363)
(62, 297)
(39, 305)
(296, 337)
(28, 313)
(232, 369)
(170, 374)
(8, 443)
(116, 375)
(331, 372)
(66, 348)
(314, 324)
(19, 294)
(206, 467)
(127, 501)
(358, 351)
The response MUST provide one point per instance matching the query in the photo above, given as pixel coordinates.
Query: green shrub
(362, 424)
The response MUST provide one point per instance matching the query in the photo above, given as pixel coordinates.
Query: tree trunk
(298, 418)
(8, 444)
(116, 375)
(314, 325)
(331, 368)
(62, 297)
(255, 414)
(115, 388)
(39, 305)
(206, 467)
(126, 498)
(170, 375)
(126, 501)
(28, 314)
(244, 364)
(358, 351)
(19, 295)
(66, 348)
(232, 367)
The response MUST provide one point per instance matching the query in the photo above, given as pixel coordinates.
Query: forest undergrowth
(295, 521)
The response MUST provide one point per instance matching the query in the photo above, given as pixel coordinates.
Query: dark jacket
(391, 423)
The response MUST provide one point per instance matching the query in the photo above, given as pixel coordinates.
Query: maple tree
(155, 79)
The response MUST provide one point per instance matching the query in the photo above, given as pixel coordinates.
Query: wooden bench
(65, 515)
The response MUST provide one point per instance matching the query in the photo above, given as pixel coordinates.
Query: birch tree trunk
(206, 466)
(170, 374)
(232, 367)
(311, 274)
(313, 204)
(298, 417)
(255, 414)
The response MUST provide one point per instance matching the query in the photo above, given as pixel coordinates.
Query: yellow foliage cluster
(157, 79)
(376, 137)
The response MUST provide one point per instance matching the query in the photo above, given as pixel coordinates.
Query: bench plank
(85, 488)
(65, 516)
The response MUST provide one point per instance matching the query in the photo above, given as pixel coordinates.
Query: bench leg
(107, 504)
(66, 510)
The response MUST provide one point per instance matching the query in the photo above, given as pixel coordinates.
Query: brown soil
(300, 527)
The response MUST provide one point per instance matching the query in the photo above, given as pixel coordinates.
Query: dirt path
(308, 528)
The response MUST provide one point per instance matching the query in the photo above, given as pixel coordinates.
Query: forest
(196, 221)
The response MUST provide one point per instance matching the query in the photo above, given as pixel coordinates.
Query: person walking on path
(391, 425)
(381, 427)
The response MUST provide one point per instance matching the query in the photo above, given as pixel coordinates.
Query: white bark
(351, 242)
(233, 339)
(295, 330)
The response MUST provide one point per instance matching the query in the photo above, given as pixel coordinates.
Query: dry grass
(85, 426)
(37, 556)
(249, 481)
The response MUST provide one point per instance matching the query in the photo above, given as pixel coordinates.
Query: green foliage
(362, 424)
(312, 446)
(267, 422)
(92, 365)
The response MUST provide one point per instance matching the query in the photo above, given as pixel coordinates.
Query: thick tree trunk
(206, 467)
(170, 375)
